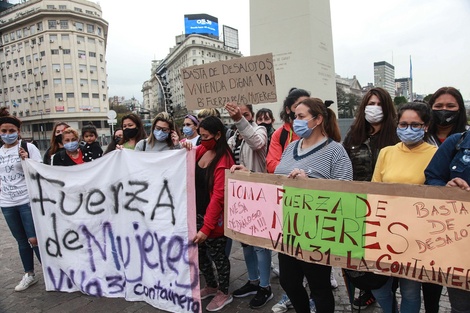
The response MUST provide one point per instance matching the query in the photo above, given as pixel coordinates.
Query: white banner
(119, 227)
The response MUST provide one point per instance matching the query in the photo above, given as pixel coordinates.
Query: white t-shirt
(13, 185)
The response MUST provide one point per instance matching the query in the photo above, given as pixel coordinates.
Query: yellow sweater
(398, 164)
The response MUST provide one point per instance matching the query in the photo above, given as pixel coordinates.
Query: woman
(72, 153)
(190, 125)
(373, 129)
(450, 166)
(249, 145)
(316, 155)
(284, 135)
(264, 117)
(56, 142)
(132, 131)
(14, 199)
(164, 135)
(117, 136)
(448, 115)
(405, 163)
(213, 157)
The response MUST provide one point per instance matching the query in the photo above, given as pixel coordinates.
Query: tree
(399, 100)
(427, 98)
(347, 103)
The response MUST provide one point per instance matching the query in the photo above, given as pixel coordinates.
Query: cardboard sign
(412, 231)
(119, 227)
(247, 80)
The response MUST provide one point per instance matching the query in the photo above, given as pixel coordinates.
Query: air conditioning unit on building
(37, 101)
(81, 84)
(41, 72)
(91, 71)
(60, 99)
(57, 69)
(51, 41)
(79, 42)
(81, 70)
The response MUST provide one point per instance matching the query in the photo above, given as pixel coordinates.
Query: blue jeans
(410, 296)
(258, 264)
(20, 222)
(459, 300)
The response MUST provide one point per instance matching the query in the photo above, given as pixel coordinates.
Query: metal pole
(163, 91)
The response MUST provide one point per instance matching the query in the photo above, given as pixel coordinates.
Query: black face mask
(445, 117)
(117, 140)
(130, 132)
(58, 138)
(267, 126)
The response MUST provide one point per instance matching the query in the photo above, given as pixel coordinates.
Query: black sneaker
(262, 297)
(365, 299)
(246, 290)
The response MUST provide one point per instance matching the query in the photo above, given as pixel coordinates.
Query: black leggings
(292, 272)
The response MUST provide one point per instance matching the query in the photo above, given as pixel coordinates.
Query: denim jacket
(451, 160)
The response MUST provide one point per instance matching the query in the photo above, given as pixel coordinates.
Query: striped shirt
(328, 160)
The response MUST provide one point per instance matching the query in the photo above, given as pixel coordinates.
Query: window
(32, 29)
(46, 97)
(95, 95)
(81, 54)
(67, 66)
(69, 81)
(50, 7)
(77, 9)
(91, 40)
(30, 71)
(52, 24)
(58, 95)
(80, 39)
(12, 36)
(33, 41)
(99, 31)
(66, 51)
(92, 54)
(79, 26)
(65, 37)
(82, 67)
(18, 34)
(57, 81)
(85, 95)
(89, 12)
(55, 67)
(62, 7)
(43, 68)
(42, 53)
(64, 24)
(93, 68)
(39, 26)
(6, 38)
(94, 82)
(52, 38)
(83, 81)
(70, 95)
(41, 39)
(101, 58)
(45, 82)
(90, 28)
(54, 51)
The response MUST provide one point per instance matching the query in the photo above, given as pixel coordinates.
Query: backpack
(283, 138)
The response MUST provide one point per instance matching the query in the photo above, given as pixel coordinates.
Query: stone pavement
(36, 299)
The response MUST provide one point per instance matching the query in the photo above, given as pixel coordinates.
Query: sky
(433, 32)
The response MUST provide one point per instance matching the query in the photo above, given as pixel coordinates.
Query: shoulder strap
(145, 145)
(283, 138)
(24, 145)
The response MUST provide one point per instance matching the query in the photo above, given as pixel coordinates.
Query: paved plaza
(36, 299)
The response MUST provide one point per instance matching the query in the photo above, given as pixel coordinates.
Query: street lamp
(163, 91)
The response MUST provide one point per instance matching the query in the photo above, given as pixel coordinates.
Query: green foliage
(347, 103)
(427, 98)
(399, 100)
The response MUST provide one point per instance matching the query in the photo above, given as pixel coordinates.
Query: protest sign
(119, 227)
(247, 80)
(411, 231)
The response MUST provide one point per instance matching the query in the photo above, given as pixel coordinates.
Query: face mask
(117, 140)
(9, 138)
(445, 117)
(374, 114)
(410, 137)
(209, 144)
(58, 138)
(130, 132)
(188, 131)
(71, 146)
(267, 126)
(301, 128)
(160, 135)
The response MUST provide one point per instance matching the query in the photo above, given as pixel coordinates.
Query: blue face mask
(160, 135)
(409, 136)
(301, 128)
(188, 131)
(71, 146)
(9, 138)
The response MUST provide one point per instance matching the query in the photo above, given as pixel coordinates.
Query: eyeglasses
(414, 126)
(165, 129)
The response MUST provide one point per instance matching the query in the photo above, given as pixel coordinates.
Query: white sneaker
(333, 282)
(26, 282)
(283, 305)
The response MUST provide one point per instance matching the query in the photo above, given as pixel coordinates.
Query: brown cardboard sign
(247, 80)
(412, 231)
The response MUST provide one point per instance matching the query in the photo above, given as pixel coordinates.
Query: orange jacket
(275, 150)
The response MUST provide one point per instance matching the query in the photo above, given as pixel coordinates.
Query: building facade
(403, 87)
(384, 77)
(53, 66)
(164, 90)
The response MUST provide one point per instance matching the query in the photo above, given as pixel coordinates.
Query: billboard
(204, 24)
(230, 37)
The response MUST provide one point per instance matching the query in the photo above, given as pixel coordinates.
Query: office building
(384, 76)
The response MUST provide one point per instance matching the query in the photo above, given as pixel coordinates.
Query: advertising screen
(201, 24)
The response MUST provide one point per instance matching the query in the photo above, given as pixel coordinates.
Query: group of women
(382, 145)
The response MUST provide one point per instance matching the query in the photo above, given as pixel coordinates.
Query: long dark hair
(138, 124)
(293, 95)
(329, 126)
(360, 128)
(112, 143)
(214, 126)
(461, 123)
(54, 145)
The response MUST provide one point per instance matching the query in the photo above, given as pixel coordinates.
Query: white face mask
(374, 114)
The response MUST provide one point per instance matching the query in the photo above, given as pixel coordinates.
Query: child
(91, 148)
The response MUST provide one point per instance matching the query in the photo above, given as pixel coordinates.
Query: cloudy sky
(433, 32)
